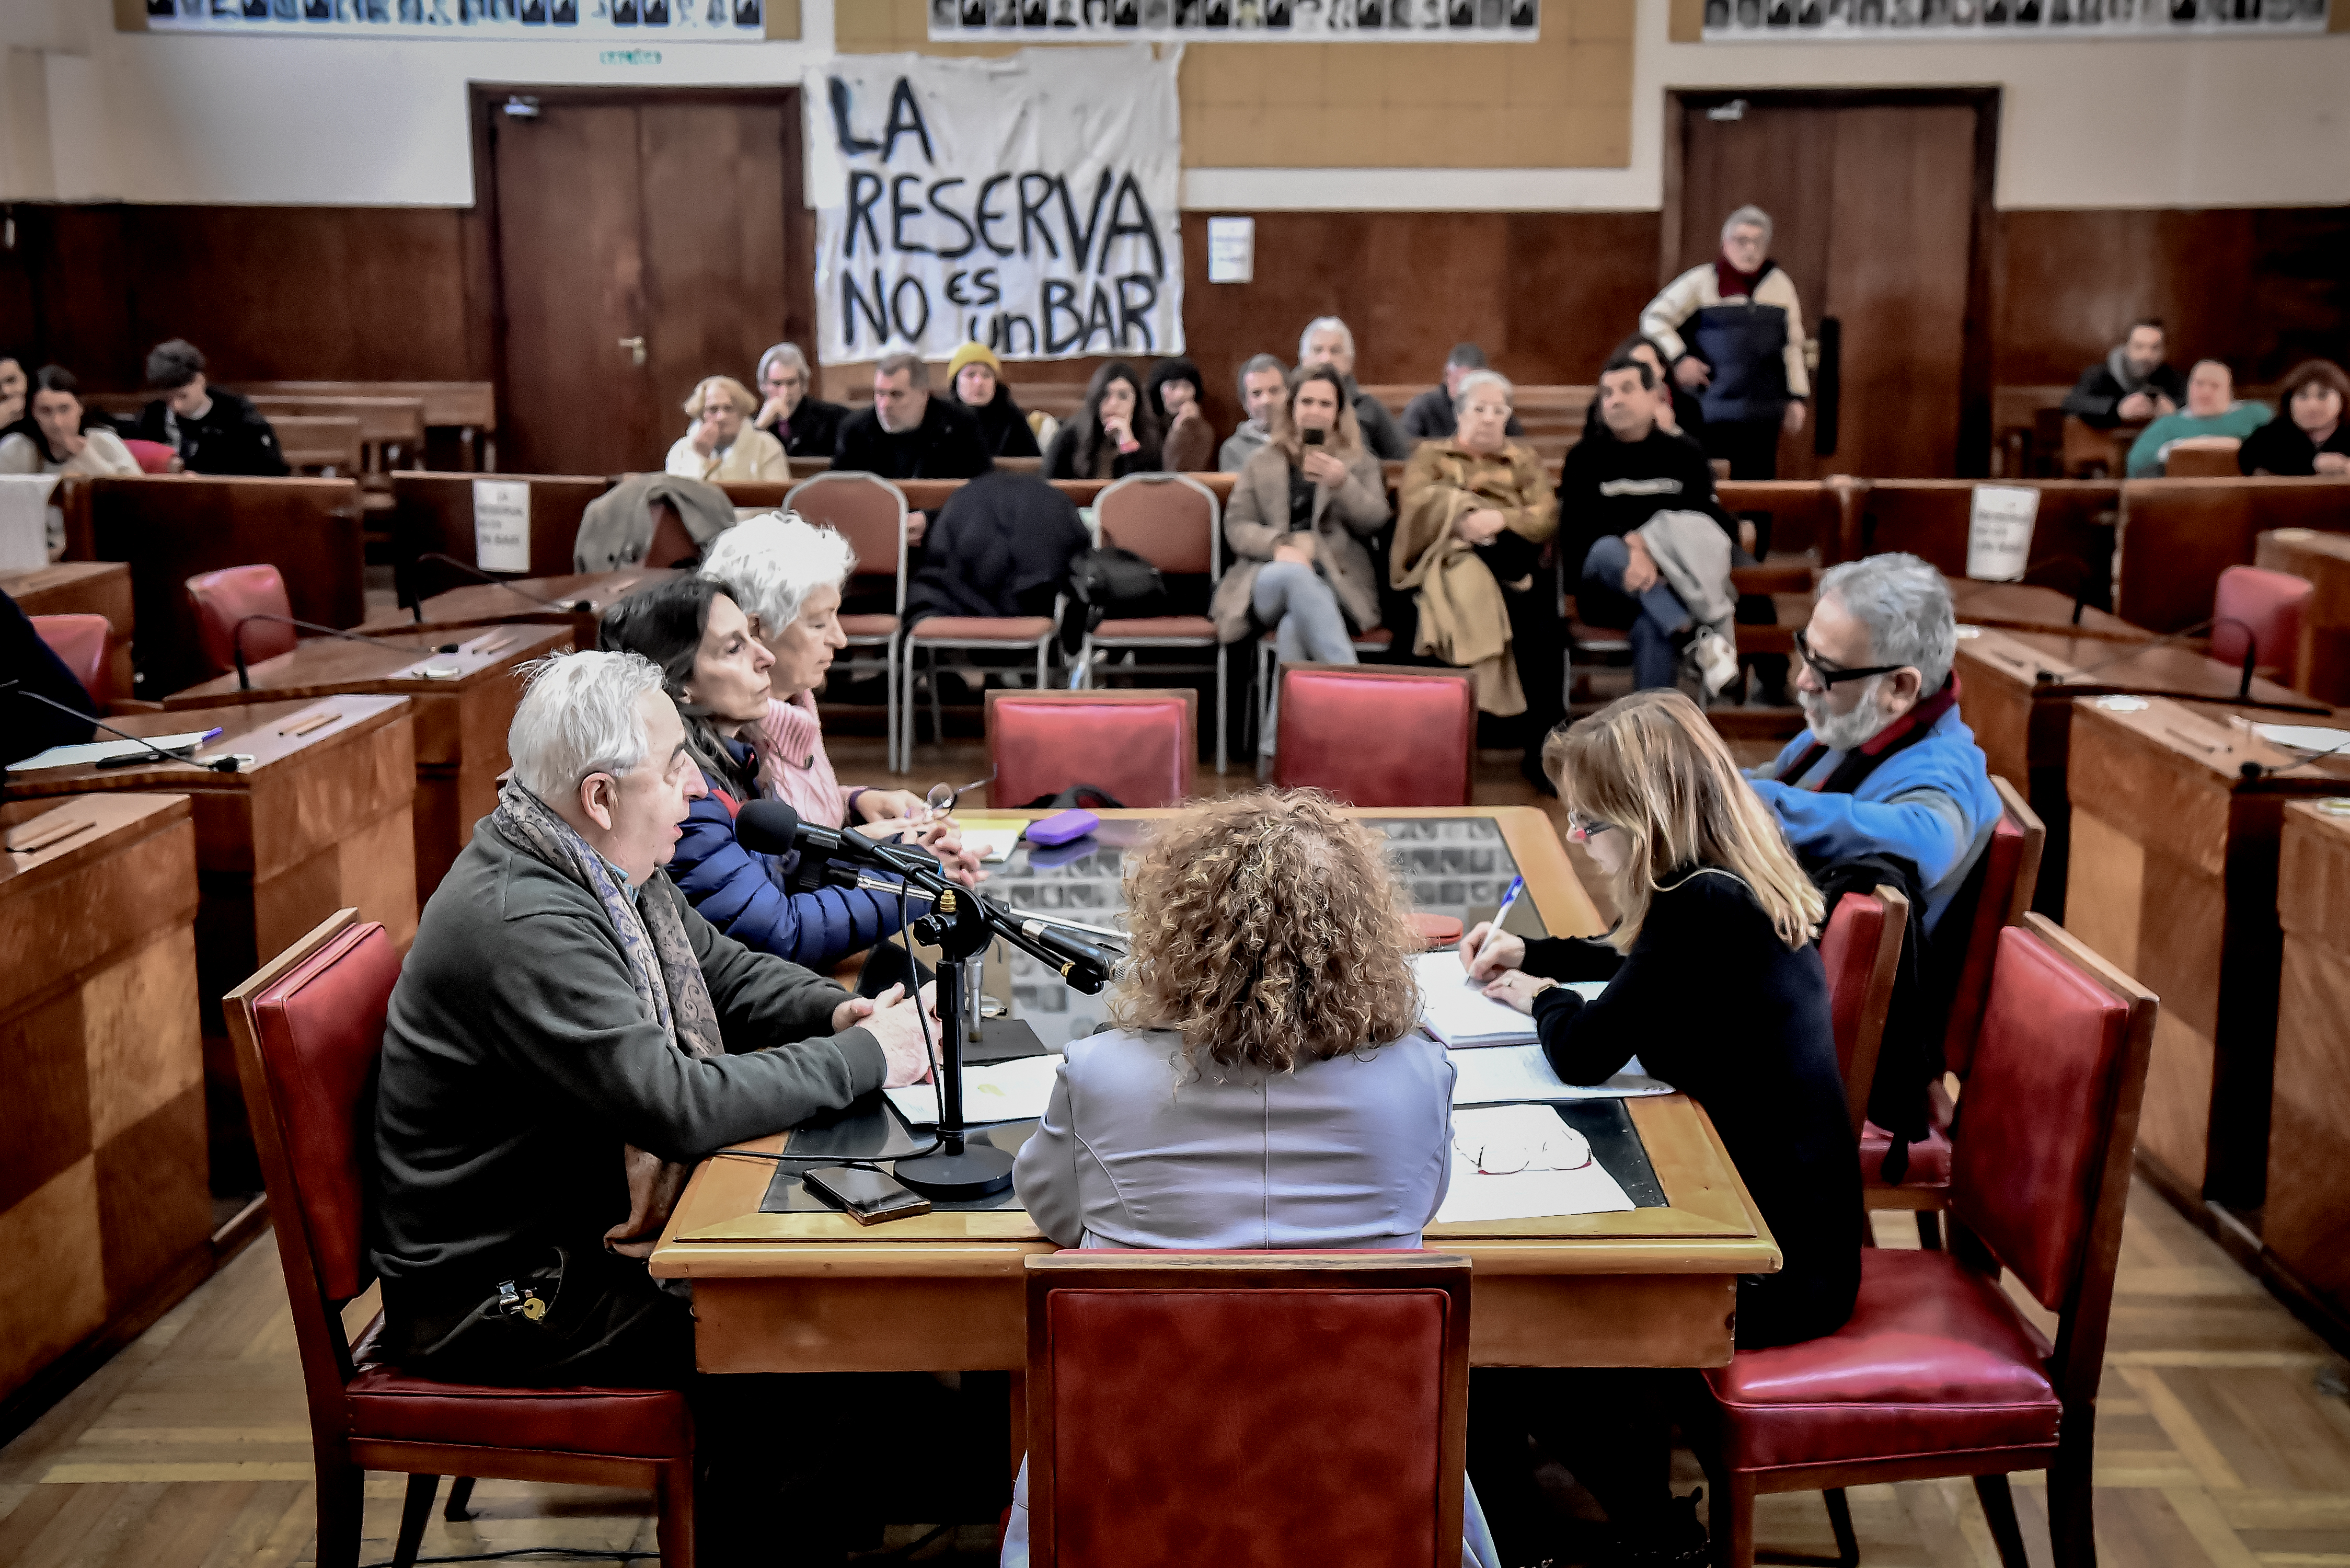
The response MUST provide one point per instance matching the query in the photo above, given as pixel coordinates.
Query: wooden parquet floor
(2224, 1442)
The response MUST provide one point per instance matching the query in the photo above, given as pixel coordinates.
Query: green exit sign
(629, 58)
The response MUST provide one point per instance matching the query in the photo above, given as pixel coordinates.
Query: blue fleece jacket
(1932, 804)
(745, 894)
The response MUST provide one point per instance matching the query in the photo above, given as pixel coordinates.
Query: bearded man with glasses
(1885, 764)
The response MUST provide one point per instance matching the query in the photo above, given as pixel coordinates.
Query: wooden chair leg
(675, 1503)
(2072, 1513)
(1930, 1230)
(1731, 1520)
(341, 1502)
(414, 1514)
(461, 1498)
(1998, 1512)
(1840, 1520)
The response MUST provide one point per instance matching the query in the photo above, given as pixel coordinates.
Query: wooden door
(640, 242)
(1880, 209)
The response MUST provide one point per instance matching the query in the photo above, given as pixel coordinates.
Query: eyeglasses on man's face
(1827, 672)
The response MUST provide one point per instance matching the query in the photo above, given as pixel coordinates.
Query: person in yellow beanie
(975, 379)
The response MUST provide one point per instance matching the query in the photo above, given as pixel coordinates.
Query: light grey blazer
(1352, 1152)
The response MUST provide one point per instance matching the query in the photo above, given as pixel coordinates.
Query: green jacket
(2145, 452)
(517, 1062)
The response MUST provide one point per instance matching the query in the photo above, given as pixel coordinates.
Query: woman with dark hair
(1189, 446)
(717, 672)
(57, 434)
(975, 380)
(12, 388)
(1114, 434)
(1684, 415)
(2313, 437)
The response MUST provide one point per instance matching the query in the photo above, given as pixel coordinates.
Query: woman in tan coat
(1477, 511)
(1302, 506)
(723, 447)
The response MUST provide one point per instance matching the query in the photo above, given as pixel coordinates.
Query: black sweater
(946, 445)
(1713, 1003)
(232, 437)
(2282, 446)
(1608, 487)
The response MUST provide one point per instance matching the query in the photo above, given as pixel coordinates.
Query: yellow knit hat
(973, 354)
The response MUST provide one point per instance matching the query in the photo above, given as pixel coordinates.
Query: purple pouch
(1062, 827)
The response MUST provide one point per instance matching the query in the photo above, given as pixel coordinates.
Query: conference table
(783, 1284)
(2322, 666)
(2309, 1134)
(2026, 607)
(577, 601)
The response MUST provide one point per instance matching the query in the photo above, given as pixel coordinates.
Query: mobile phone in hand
(1313, 438)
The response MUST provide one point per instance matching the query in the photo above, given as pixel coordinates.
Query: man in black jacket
(792, 412)
(910, 434)
(214, 432)
(1430, 415)
(2131, 386)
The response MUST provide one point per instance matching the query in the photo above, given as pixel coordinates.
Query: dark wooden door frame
(484, 288)
(1976, 367)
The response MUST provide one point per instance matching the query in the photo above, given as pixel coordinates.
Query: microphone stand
(220, 764)
(2243, 693)
(236, 641)
(570, 607)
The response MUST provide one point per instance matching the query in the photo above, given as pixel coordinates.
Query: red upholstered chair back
(1375, 737)
(152, 456)
(1168, 519)
(865, 510)
(2040, 1164)
(1189, 1408)
(2010, 874)
(224, 597)
(2272, 605)
(1861, 951)
(82, 642)
(1138, 745)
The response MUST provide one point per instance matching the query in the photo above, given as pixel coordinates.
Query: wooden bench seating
(468, 410)
(328, 446)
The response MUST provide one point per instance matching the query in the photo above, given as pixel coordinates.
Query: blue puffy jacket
(745, 894)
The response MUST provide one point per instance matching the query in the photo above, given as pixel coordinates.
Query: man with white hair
(1327, 340)
(566, 1038)
(1732, 326)
(1886, 765)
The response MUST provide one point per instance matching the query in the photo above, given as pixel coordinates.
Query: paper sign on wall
(1999, 532)
(502, 524)
(1231, 250)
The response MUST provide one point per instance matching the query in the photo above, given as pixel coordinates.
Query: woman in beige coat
(1302, 506)
(723, 447)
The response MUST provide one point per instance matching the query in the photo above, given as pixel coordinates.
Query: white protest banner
(1999, 532)
(502, 524)
(1028, 202)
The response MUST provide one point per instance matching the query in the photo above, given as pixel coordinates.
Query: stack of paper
(1012, 1091)
(93, 752)
(991, 838)
(1527, 1194)
(1518, 1073)
(1456, 1009)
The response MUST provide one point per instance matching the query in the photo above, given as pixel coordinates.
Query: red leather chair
(871, 514)
(1377, 737)
(152, 456)
(1938, 1373)
(1138, 745)
(1173, 521)
(308, 1030)
(2011, 874)
(224, 597)
(1861, 949)
(1189, 1408)
(84, 642)
(2269, 606)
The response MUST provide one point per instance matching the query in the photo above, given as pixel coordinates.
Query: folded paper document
(1012, 1091)
(1506, 1074)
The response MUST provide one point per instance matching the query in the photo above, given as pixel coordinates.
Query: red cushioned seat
(1010, 628)
(2268, 607)
(83, 644)
(1138, 745)
(1861, 951)
(641, 1423)
(1929, 1158)
(853, 627)
(225, 600)
(1426, 722)
(1191, 627)
(152, 456)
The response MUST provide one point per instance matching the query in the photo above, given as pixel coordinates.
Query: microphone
(571, 607)
(773, 827)
(223, 764)
(236, 641)
(2251, 651)
(1087, 969)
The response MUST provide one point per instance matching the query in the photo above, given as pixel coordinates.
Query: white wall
(90, 114)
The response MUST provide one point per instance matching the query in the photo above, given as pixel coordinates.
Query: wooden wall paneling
(2178, 535)
(2306, 1222)
(2072, 534)
(434, 512)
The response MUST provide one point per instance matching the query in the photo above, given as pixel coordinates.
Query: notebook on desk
(1456, 1009)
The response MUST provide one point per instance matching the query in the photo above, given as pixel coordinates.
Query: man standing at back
(1327, 340)
(2131, 385)
(214, 432)
(1732, 331)
(910, 434)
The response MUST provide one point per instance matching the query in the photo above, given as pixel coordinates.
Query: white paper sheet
(1999, 532)
(1456, 1009)
(1528, 1194)
(1000, 1092)
(99, 750)
(991, 838)
(1507, 1075)
(24, 520)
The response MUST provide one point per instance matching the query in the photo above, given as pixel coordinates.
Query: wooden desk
(317, 822)
(461, 721)
(2174, 875)
(2306, 1223)
(810, 1291)
(82, 587)
(2021, 607)
(2072, 534)
(518, 603)
(2178, 535)
(434, 512)
(103, 1199)
(2322, 669)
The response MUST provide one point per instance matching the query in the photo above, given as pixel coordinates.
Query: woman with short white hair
(720, 445)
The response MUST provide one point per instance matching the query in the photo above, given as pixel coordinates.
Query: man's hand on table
(892, 1021)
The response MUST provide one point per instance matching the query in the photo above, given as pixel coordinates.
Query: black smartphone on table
(868, 1196)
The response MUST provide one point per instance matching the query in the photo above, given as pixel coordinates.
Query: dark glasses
(1827, 672)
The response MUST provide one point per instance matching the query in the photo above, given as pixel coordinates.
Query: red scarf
(1729, 282)
(1863, 760)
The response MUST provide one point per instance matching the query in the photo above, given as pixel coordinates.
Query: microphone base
(958, 1170)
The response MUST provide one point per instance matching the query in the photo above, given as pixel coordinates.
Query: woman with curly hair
(1264, 1084)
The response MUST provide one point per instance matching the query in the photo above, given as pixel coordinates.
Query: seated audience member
(1732, 330)
(1428, 417)
(1113, 434)
(1705, 885)
(1300, 512)
(1476, 512)
(908, 434)
(1679, 415)
(1002, 546)
(12, 388)
(1885, 765)
(2311, 438)
(2211, 410)
(717, 673)
(58, 434)
(1327, 340)
(789, 573)
(793, 413)
(722, 447)
(1264, 381)
(2129, 386)
(214, 432)
(976, 382)
(1264, 1084)
(1174, 390)
(1613, 486)
(27, 727)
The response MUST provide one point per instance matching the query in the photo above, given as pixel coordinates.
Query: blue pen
(1509, 901)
